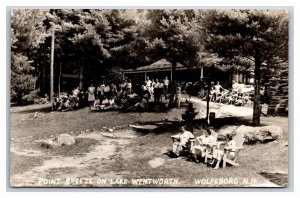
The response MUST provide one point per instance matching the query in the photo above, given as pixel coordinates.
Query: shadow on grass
(167, 126)
(276, 178)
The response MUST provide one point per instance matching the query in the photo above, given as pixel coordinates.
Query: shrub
(189, 115)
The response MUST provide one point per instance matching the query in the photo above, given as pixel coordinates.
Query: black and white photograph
(149, 98)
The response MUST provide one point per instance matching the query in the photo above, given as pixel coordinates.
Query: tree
(172, 35)
(27, 34)
(260, 36)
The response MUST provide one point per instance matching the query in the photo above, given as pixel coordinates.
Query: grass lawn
(97, 156)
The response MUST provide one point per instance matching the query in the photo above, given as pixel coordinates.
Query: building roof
(161, 65)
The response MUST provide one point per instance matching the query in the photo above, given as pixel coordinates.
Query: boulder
(65, 139)
(227, 129)
(273, 131)
(247, 131)
(260, 134)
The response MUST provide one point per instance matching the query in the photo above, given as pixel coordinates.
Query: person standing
(129, 87)
(217, 90)
(148, 83)
(156, 91)
(177, 95)
(166, 85)
(91, 95)
(100, 92)
(235, 87)
(160, 89)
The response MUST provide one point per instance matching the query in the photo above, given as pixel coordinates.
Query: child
(219, 153)
(204, 140)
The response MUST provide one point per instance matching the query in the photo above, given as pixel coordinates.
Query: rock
(77, 133)
(248, 132)
(147, 127)
(49, 143)
(260, 134)
(274, 131)
(110, 130)
(65, 139)
(227, 129)
(156, 162)
(109, 135)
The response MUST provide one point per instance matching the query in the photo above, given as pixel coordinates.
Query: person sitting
(218, 153)
(122, 100)
(239, 100)
(235, 87)
(142, 104)
(181, 140)
(217, 90)
(204, 140)
(221, 97)
(55, 100)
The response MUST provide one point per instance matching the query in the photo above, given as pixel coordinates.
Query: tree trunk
(173, 77)
(52, 65)
(256, 106)
(207, 103)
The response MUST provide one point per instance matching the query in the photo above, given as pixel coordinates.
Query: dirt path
(221, 110)
(67, 171)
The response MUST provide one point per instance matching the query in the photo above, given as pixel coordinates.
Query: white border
(153, 4)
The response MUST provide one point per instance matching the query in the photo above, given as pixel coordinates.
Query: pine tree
(260, 36)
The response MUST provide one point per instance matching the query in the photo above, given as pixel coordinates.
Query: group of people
(218, 94)
(124, 95)
(156, 88)
(65, 101)
(205, 143)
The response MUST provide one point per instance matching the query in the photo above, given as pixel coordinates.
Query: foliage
(22, 82)
(172, 35)
(260, 36)
(27, 33)
(190, 113)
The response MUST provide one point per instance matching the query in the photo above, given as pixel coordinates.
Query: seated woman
(204, 141)
(181, 140)
(230, 145)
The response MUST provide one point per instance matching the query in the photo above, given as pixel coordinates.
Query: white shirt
(166, 82)
(148, 83)
(206, 140)
(185, 136)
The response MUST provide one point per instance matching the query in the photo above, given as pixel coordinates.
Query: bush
(30, 98)
(22, 80)
(189, 115)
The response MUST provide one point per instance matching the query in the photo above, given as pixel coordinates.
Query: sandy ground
(61, 171)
